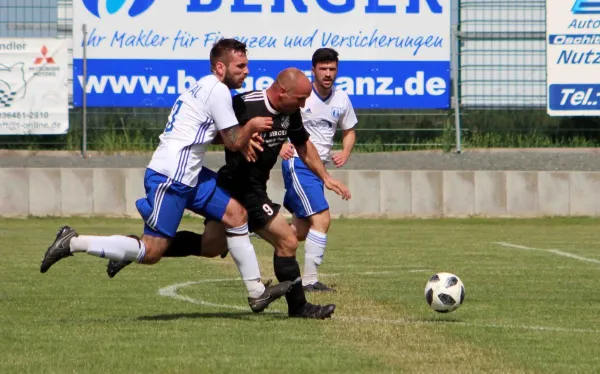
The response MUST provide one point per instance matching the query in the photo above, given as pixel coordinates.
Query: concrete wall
(380, 193)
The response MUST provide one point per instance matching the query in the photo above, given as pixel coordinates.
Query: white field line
(171, 291)
(553, 251)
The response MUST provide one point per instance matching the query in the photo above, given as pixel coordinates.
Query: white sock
(314, 249)
(81, 243)
(116, 247)
(243, 254)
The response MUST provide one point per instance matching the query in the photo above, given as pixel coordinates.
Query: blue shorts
(304, 191)
(166, 200)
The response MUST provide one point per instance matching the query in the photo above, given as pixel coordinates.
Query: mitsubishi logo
(40, 60)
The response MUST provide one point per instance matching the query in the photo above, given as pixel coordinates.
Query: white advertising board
(34, 97)
(143, 53)
(573, 57)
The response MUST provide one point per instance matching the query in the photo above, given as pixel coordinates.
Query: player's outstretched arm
(237, 137)
(309, 155)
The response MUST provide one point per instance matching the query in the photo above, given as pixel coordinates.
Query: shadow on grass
(225, 315)
(442, 320)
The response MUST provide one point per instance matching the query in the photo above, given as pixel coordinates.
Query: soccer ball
(444, 292)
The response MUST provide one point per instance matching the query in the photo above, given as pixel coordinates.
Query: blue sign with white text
(157, 83)
(575, 97)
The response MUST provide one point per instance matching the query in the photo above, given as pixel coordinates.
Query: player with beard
(175, 180)
(326, 109)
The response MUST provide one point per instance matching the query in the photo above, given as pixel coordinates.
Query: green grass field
(533, 308)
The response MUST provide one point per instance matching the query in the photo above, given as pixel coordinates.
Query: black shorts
(261, 210)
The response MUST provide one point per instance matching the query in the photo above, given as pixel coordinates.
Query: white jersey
(322, 116)
(197, 116)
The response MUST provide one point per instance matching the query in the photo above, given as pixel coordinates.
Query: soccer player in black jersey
(247, 181)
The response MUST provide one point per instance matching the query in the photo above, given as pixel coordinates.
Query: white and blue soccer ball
(444, 292)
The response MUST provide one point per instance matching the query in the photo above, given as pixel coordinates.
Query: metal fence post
(456, 58)
(84, 93)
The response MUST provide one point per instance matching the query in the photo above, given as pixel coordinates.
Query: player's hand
(337, 187)
(258, 140)
(339, 159)
(261, 124)
(287, 151)
(253, 145)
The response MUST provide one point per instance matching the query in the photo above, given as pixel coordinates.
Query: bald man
(245, 176)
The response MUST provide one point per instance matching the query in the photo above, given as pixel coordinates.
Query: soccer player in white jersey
(325, 110)
(175, 180)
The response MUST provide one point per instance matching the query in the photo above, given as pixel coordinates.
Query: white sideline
(171, 291)
(554, 251)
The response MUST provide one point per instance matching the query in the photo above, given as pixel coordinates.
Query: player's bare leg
(313, 230)
(300, 227)
(214, 241)
(282, 237)
(155, 248)
(187, 243)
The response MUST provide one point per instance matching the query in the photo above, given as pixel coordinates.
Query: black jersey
(255, 174)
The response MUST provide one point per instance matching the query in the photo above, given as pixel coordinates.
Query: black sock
(287, 269)
(185, 243)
